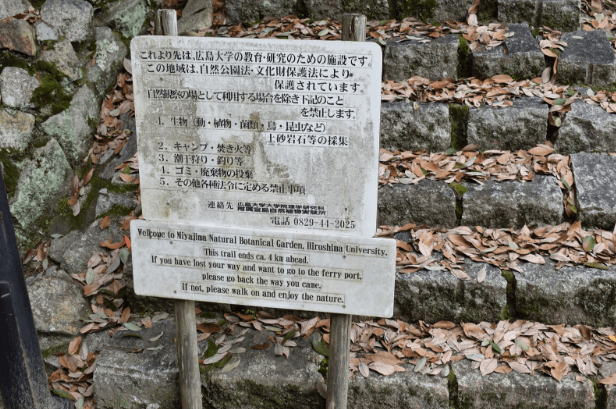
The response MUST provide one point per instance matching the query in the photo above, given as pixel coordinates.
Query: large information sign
(271, 134)
(299, 271)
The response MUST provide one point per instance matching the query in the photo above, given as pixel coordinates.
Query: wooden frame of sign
(260, 136)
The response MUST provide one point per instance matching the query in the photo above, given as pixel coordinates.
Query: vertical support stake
(185, 322)
(353, 29)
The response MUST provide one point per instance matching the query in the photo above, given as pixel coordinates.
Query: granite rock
(70, 127)
(519, 56)
(74, 250)
(8, 8)
(107, 200)
(436, 59)
(71, 18)
(57, 307)
(513, 204)
(264, 380)
(43, 181)
(109, 57)
(15, 129)
(401, 390)
(127, 17)
(196, 15)
(571, 295)
(428, 202)
(17, 35)
(16, 86)
(588, 59)
(561, 15)
(64, 57)
(586, 128)
(415, 126)
(372, 9)
(516, 390)
(246, 11)
(45, 32)
(521, 126)
(436, 295)
(453, 10)
(595, 186)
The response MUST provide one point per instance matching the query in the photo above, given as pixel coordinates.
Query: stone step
(519, 56)
(437, 126)
(493, 205)
(259, 378)
(570, 295)
(561, 15)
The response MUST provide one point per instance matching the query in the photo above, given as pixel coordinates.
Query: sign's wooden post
(185, 321)
(353, 29)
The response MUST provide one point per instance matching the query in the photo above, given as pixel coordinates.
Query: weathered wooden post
(185, 321)
(23, 381)
(353, 29)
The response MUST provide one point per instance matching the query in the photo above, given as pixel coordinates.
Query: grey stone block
(8, 8)
(428, 202)
(519, 56)
(435, 60)
(433, 296)
(404, 128)
(521, 126)
(372, 9)
(513, 204)
(571, 295)
(109, 57)
(587, 128)
(196, 15)
(70, 127)
(253, 10)
(595, 185)
(69, 17)
(64, 57)
(264, 380)
(45, 32)
(516, 390)
(127, 17)
(107, 200)
(452, 10)
(15, 129)
(589, 59)
(16, 87)
(42, 182)
(128, 380)
(561, 15)
(57, 307)
(75, 249)
(401, 390)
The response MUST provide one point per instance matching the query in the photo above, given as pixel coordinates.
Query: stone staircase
(427, 122)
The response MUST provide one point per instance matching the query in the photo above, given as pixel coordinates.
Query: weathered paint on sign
(270, 134)
(279, 269)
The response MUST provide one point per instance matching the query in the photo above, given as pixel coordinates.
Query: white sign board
(279, 269)
(270, 134)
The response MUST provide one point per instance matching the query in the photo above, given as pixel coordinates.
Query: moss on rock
(458, 118)
(421, 9)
